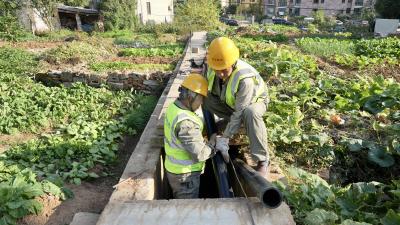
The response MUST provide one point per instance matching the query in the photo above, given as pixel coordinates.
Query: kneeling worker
(185, 148)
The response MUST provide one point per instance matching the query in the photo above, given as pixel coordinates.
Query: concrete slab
(85, 218)
(237, 211)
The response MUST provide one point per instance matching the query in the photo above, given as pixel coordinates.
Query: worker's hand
(213, 140)
(222, 145)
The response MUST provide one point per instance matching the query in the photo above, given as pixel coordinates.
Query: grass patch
(108, 66)
(18, 61)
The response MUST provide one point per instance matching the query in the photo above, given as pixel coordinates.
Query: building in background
(155, 11)
(306, 7)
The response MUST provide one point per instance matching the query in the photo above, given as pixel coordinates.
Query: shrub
(119, 14)
(197, 15)
(77, 2)
(10, 29)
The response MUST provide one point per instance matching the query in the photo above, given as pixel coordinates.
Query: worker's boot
(262, 168)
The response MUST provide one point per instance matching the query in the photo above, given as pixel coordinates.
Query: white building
(155, 11)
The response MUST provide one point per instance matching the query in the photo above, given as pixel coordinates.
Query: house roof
(79, 10)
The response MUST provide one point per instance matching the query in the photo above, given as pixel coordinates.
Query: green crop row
(165, 51)
(86, 125)
(364, 203)
(325, 47)
(316, 121)
(379, 48)
(118, 65)
(357, 54)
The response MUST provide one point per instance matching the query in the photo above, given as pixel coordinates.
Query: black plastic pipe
(256, 185)
(219, 166)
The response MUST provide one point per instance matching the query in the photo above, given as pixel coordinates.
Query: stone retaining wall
(147, 82)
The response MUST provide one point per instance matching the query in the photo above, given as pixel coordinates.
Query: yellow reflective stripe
(179, 169)
(241, 74)
(176, 152)
(243, 71)
(184, 162)
(210, 78)
(233, 84)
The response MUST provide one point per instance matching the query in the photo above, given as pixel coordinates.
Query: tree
(197, 15)
(9, 7)
(369, 15)
(388, 9)
(119, 14)
(77, 2)
(319, 17)
(10, 29)
(46, 10)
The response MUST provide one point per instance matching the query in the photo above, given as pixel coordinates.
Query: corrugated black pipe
(219, 166)
(256, 185)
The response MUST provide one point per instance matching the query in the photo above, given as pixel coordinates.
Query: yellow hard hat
(196, 83)
(222, 53)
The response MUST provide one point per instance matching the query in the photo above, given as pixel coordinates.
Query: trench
(208, 181)
(144, 182)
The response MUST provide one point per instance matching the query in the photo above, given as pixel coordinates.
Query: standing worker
(186, 151)
(237, 93)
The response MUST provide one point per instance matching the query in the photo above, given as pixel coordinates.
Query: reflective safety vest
(177, 159)
(242, 70)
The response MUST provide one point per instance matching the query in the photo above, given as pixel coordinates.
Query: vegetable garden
(333, 120)
(336, 135)
(74, 132)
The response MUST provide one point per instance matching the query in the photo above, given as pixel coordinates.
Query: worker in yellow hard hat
(185, 149)
(237, 93)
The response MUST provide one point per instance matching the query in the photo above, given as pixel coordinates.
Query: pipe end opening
(272, 198)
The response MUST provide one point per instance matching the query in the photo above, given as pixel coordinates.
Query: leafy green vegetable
(167, 50)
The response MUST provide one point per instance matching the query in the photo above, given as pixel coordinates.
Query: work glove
(222, 145)
(213, 140)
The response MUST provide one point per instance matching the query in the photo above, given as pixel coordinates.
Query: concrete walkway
(233, 211)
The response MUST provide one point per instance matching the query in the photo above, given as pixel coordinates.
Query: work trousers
(185, 185)
(252, 118)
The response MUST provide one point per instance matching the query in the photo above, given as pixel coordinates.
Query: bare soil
(7, 140)
(90, 196)
(33, 45)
